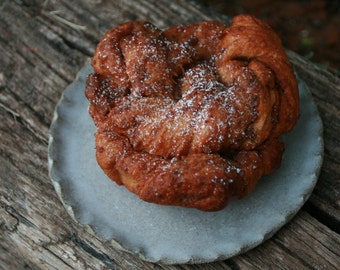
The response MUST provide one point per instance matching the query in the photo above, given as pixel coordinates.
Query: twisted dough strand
(190, 116)
(250, 43)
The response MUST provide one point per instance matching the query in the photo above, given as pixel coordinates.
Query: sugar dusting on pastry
(191, 116)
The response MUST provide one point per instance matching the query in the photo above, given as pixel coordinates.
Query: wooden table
(43, 44)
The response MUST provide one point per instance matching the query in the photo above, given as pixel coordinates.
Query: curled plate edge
(81, 75)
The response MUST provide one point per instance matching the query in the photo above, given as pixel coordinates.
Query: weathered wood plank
(325, 200)
(43, 45)
(289, 249)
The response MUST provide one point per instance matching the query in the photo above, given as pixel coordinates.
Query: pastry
(191, 116)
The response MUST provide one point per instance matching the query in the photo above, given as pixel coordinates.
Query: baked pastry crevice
(191, 116)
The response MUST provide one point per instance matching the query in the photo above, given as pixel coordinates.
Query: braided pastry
(191, 116)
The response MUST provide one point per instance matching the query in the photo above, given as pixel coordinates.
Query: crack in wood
(21, 219)
(74, 45)
(330, 221)
(19, 119)
(11, 218)
(92, 251)
(8, 222)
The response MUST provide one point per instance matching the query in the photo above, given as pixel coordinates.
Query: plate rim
(55, 178)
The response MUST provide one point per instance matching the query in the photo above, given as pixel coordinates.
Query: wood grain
(43, 44)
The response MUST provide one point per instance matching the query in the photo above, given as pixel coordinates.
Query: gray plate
(172, 234)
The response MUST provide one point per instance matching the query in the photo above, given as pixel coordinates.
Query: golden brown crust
(191, 116)
(253, 43)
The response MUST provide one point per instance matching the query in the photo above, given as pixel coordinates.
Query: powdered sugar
(181, 113)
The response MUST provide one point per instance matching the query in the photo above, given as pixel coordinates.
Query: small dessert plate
(168, 234)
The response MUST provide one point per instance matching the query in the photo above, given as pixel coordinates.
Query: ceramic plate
(169, 234)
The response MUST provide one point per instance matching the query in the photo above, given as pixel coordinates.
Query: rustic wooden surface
(43, 43)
